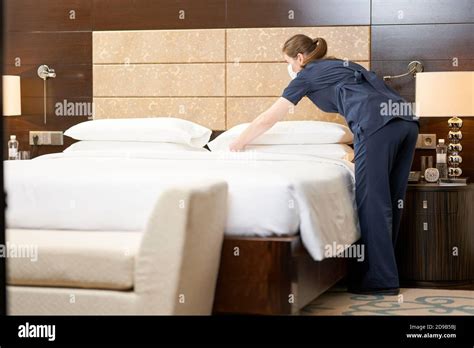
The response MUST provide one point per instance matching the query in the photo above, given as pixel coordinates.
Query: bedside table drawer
(435, 242)
(428, 223)
(436, 202)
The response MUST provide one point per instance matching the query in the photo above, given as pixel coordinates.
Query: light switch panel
(426, 141)
(46, 138)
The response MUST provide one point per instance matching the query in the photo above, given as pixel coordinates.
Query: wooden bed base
(271, 276)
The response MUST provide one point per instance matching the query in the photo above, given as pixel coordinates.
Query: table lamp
(447, 94)
(11, 95)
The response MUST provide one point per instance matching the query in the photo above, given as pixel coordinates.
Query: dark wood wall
(440, 34)
(436, 32)
(42, 32)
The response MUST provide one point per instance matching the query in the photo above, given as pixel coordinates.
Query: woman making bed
(384, 147)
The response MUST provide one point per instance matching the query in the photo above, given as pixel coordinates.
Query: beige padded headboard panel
(215, 77)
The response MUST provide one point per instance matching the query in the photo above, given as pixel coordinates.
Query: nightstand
(435, 245)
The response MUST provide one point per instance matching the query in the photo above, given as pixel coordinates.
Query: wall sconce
(413, 68)
(11, 88)
(45, 72)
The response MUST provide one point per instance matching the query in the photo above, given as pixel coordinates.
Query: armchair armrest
(178, 260)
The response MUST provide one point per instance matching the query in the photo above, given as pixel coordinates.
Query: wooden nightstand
(435, 244)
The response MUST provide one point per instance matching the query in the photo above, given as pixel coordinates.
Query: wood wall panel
(271, 13)
(33, 115)
(422, 11)
(164, 14)
(158, 14)
(40, 32)
(48, 15)
(406, 86)
(49, 48)
(71, 81)
(423, 42)
(33, 106)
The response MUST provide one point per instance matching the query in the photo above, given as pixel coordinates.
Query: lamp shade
(445, 94)
(11, 95)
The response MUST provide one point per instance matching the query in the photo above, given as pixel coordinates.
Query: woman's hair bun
(312, 48)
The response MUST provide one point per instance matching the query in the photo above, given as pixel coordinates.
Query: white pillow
(156, 129)
(289, 132)
(336, 151)
(124, 146)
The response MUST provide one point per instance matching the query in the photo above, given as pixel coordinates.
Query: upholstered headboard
(215, 77)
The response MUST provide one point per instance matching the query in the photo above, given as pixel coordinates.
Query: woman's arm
(262, 123)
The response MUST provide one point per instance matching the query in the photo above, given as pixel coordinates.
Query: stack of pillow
(318, 138)
(167, 134)
(157, 134)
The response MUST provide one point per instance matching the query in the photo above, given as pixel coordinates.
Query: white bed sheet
(269, 194)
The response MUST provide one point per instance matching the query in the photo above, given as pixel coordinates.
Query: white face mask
(291, 72)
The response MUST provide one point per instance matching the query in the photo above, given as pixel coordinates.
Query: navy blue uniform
(384, 145)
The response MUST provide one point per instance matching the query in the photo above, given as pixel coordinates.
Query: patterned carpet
(409, 302)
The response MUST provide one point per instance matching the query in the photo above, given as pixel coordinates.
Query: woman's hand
(261, 124)
(236, 146)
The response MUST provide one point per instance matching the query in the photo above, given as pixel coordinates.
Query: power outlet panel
(426, 141)
(46, 137)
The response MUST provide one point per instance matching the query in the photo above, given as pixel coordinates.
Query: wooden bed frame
(271, 276)
(259, 275)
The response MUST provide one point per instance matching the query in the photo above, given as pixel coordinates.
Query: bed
(284, 213)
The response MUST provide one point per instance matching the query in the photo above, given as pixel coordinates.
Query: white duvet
(269, 194)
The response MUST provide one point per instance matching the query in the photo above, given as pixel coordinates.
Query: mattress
(269, 194)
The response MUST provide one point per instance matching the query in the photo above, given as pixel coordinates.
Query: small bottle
(12, 148)
(441, 159)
